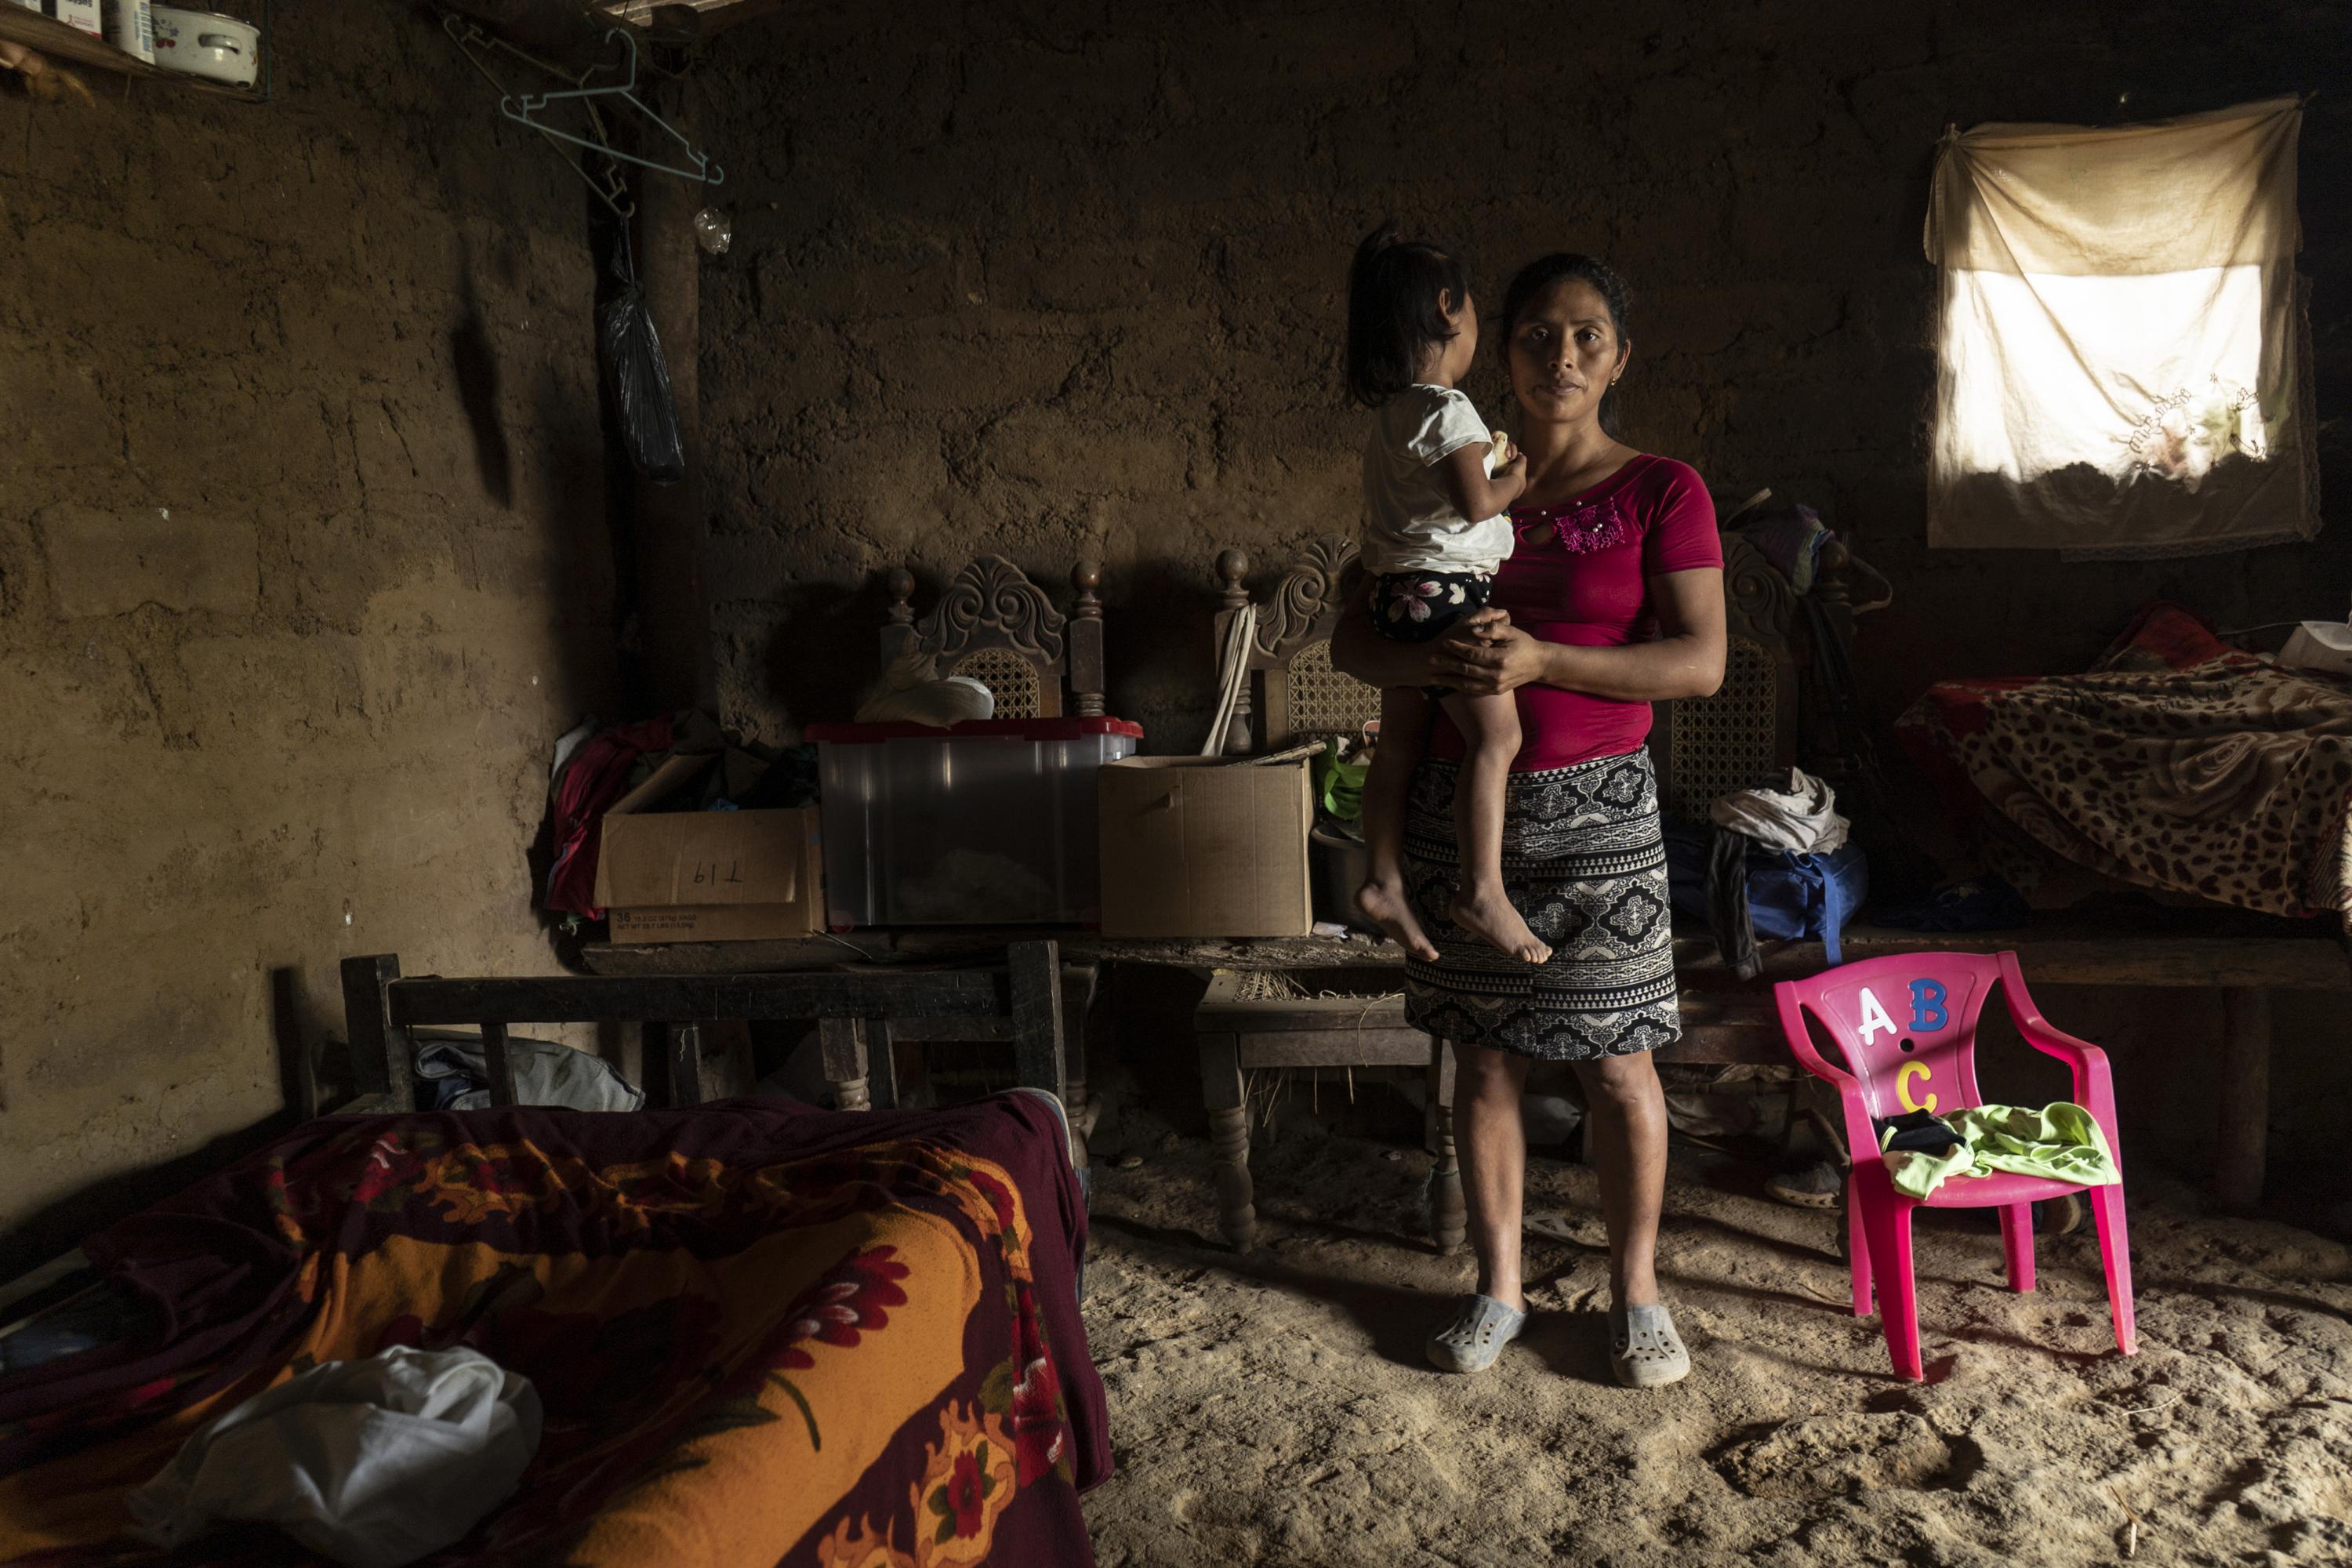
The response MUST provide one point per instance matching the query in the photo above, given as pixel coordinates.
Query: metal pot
(1338, 864)
(207, 44)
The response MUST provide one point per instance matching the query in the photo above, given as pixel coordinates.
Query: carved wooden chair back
(995, 625)
(1709, 746)
(1291, 686)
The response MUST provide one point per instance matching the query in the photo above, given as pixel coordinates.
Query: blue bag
(1788, 895)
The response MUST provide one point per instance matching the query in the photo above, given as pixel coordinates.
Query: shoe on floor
(1644, 1352)
(1475, 1335)
(2060, 1215)
(1820, 1185)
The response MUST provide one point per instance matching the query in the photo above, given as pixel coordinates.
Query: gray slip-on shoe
(1644, 1352)
(1475, 1335)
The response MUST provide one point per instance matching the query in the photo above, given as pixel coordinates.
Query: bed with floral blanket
(761, 1333)
(2179, 763)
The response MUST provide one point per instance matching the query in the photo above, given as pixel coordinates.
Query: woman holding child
(1609, 596)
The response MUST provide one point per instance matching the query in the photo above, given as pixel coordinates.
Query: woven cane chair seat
(1010, 677)
(1726, 741)
(1323, 701)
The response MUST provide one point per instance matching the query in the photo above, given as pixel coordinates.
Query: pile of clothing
(2061, 1140)
(453, 1071)
(1776, 861)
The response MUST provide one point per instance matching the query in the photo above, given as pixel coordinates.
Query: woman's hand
(1486, 656)
(1357, 649)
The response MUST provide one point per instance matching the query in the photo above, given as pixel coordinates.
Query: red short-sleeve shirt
(1578, 575)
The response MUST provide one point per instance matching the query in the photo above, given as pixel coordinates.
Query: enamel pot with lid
(207, 44)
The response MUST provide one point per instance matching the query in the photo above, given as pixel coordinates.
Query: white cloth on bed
(373, 1463)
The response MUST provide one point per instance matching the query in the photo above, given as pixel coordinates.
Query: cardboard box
(1194, 847)
(711, 876)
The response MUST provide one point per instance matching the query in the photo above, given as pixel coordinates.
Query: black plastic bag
(631, 352)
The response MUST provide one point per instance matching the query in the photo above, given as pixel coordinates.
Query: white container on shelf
(989, 822)
(131, 27)
(82, 14)
(207, 44)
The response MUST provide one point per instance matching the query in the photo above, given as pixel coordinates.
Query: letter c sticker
(1902, 1077)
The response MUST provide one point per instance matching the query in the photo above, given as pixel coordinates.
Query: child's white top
(1409, 524)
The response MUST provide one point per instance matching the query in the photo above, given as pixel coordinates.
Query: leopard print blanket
(2178, 763)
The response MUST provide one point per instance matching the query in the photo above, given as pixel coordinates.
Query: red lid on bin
(973, 729)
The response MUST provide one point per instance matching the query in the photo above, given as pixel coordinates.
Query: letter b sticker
(1927, 1011)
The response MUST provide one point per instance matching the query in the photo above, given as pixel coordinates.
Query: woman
(1613, 599)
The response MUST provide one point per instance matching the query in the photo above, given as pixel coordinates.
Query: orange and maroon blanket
(761, 1333)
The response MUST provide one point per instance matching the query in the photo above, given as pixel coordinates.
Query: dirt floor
(1276, 1408)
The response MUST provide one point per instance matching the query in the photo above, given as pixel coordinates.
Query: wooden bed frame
(856, 1015)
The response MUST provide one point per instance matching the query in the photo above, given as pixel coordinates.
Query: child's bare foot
(1487, 915)
(1384, 904)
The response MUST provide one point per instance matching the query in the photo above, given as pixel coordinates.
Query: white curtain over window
(2122, 344)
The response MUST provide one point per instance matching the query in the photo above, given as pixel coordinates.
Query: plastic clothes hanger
(521, 107)
(478, 47)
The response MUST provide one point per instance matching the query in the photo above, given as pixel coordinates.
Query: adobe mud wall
(302, 565)
(1057, 279)
(1054, 278)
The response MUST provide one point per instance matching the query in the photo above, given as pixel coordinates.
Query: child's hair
(1566, 266)
(1395, 289)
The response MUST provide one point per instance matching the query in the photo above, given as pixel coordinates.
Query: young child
(1434, 534)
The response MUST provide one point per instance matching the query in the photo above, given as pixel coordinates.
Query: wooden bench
(1240, 1033)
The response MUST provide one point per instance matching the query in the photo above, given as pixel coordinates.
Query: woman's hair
(1563, 267)
(1395, 287)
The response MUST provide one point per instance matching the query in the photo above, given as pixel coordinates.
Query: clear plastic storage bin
(991, 822)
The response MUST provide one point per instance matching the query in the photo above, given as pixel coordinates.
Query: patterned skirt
(1585, 865)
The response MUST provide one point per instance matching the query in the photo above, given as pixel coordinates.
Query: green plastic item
(1342, 786)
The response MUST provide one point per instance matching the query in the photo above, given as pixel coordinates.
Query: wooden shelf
(57, 41)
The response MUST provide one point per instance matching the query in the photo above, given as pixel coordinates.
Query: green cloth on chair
(2061, 1140)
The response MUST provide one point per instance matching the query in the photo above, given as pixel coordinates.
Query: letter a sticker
(1874, 1017)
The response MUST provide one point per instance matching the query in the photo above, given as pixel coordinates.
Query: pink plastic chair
(1908, 1027)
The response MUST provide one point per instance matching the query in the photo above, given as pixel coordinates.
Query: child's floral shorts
(1422, 607)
